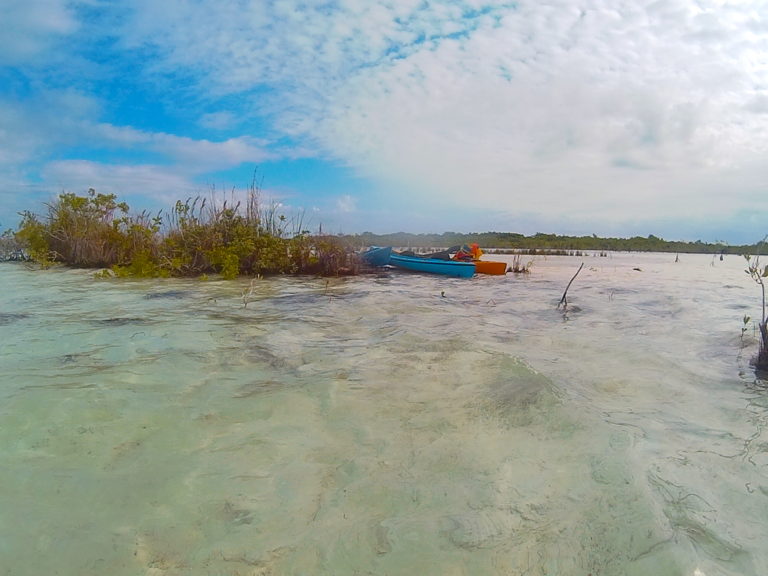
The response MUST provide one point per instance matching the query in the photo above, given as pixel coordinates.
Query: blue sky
(616, 118)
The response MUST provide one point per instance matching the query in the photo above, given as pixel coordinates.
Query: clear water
(405, 424)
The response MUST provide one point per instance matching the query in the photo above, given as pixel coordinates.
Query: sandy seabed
(389, 425)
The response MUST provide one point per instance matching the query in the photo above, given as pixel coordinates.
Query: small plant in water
(248, 293)
(518, 267)
(758, 274)
(745, 327)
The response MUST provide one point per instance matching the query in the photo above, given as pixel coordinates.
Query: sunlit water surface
(389, 425)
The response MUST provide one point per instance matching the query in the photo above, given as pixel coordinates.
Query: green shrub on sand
(196, 237)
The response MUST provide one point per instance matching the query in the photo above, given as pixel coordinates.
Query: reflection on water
(401, 424)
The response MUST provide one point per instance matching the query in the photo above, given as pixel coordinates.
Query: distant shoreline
(548, 243)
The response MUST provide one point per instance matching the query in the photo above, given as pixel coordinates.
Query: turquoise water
(394, 424)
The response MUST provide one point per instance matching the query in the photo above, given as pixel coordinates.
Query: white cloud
(35, 135)
(162, 184)
(346, 203)
(31, 27)
(593, 113)
(32, 128)
(196, 156)
(204, 155)
(218, 120)
(58, 119)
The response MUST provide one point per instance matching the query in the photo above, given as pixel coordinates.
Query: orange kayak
(489, 267)
(472, 254)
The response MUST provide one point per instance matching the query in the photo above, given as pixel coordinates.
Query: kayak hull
(433, 265)
(490, 267)
(376, 256)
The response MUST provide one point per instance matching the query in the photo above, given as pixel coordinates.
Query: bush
(195, 238)
(33, 236)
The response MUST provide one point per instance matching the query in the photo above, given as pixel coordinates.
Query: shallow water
(401, 424)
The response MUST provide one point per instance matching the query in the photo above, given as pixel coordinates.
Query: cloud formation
(32, 28)
(602, 116)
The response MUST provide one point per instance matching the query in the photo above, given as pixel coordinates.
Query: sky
(610, 117)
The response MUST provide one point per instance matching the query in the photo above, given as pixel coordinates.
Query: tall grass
(197, 236)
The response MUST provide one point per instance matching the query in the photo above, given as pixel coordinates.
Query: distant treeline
(547, 242)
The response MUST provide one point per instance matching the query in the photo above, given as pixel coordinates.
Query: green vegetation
(547, 243)
(195, 238)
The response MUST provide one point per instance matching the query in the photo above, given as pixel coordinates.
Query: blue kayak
(432, 265)
(376, 256)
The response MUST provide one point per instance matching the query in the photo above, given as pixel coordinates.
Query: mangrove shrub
(195, 237)
(758, 274)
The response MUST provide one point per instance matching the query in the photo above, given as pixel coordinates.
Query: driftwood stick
(563, 301)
